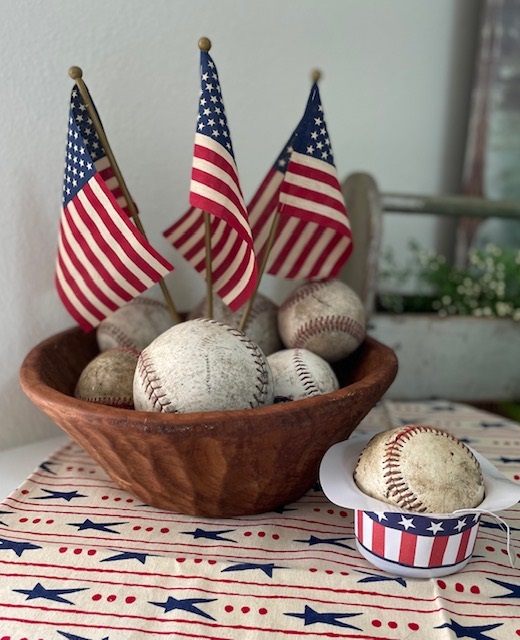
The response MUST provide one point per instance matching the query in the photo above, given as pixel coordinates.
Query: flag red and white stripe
(313, 238)
(103, 261)
(215, 189)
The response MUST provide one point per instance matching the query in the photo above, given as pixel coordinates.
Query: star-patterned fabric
(82, 559)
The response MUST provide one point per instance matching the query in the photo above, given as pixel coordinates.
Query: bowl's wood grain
(216, 464)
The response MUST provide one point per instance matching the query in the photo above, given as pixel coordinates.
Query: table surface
(84, 560)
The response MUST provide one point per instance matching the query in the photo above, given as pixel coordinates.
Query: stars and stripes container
(414, 545)
(404, 543)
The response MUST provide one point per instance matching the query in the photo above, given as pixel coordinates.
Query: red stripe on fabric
(378, 539)
(206, 152)
(304, 253)
(313, 195)
(91, 257)
(221, 210)
(298, 167)
(75, 314)
(333, 271)
(461, 553)
(407, 548)
(272, 176)
(78, 293)
(104, 236)
(285, 249)
(134, 247)
(437, 552)
(359, 522)
(311, 216)
(87, 278)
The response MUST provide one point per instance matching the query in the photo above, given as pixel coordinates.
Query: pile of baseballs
(284, 353)
(422, 469)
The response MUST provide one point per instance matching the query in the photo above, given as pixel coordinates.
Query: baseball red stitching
(152, 383)
(304, 375)
(327, 324)
(398, 488)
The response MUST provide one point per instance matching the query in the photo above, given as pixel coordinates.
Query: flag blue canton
(312, 137)
(79, 167)
(85, 126)
(283, 159)
(211, 120)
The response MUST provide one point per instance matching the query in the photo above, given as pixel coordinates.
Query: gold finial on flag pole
(205, 45)
(315, 75)
(76, 74)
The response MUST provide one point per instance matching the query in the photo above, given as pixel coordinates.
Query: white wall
(395, 87)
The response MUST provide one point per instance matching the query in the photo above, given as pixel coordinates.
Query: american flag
(416, 540)
(103, 261)
(215, 189)
(313, 239)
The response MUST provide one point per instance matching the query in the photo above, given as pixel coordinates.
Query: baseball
(261, 326)
(326, 317)
(202, 365)
(420, 468)
(108, 378)
(299, 373)
(134, 326)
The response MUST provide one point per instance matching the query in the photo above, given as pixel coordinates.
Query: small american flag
(103, 261)
(215, 189)
(313, 239)
(415, 540)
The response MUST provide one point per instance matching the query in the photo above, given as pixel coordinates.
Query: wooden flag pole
(205, 45)
(77, 75)
(315, 76)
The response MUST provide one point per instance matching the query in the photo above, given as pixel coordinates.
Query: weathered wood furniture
(458, 357)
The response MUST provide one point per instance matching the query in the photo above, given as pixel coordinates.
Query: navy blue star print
(334, 541)
(65, 495)
(72, 636)
(310, 616)
(210, 535)
(246, 566)
(474, 633)
(514, 589)
(129, 555)
(17, 547)
(188, 604)
(39, 591)
(96, 526)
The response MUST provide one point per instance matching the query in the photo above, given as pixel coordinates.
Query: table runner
(84, 560)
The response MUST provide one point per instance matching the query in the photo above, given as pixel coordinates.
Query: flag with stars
(103, 261)
(215, 189)
(313, 238)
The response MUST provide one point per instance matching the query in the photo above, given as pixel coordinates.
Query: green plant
(487, 286)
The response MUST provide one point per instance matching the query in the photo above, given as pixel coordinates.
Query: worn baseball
(134, 325)
(422, 469)
(262, 322)
(299, 374)
(326, 317)
(202, 365)
(108, 378)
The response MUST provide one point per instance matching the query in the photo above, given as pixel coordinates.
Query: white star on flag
(407, 523)
(460, 524)
(435, 527)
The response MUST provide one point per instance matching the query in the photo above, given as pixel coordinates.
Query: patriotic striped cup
(406, 543)
(416, 546)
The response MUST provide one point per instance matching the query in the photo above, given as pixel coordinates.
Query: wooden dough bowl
(213, 464)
